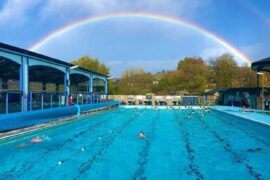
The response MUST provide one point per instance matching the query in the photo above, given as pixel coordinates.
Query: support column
(105, 97)
(67, 85)
(106, 87)
(90, 88)
(90, 84)
(258, 92)
(24, 83)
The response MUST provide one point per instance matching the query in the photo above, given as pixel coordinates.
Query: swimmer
(141, 135)
(60, 162)
(36, 140)
(82, 149)
(189, 117)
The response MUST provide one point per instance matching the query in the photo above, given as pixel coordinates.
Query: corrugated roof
(261, 65)
(41, 56)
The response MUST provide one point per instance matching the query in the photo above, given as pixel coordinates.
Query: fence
(158, 100)
(11, 101)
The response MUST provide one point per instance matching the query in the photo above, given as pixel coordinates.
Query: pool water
(105, 146)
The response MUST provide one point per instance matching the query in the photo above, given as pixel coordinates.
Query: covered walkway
(31, 81)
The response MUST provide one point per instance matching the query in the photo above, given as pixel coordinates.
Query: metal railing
(45, 100)
(10, 101)
(88, 98)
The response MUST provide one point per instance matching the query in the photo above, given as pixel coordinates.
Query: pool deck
(237, 111)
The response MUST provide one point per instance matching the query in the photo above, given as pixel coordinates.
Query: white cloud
(73, 8)
(15, 11)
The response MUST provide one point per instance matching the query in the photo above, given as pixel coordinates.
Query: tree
(135, 81)
(113, 86)
(168, 83)
(193, 74)
(225, 68)
(91, 64)
(246, 77)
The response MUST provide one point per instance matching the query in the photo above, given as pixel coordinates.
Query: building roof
(261, 65)
(41, 56)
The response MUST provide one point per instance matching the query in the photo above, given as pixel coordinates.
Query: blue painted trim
(11, 56)
(30, 118)
(24, 83)
(21, 84)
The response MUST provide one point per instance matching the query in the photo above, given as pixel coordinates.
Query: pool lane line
(9, 174)
(236, 156)
(47, 126)
(142, 161)
(79, 151)
(249, 134)
(28, 165)
(86, 166)
(193, 169)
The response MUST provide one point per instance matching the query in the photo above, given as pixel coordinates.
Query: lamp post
(262, 93)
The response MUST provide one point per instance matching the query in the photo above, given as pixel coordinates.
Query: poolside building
(31, 81)
(259, 96)
(233, 97)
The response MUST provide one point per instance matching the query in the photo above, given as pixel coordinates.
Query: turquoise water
(105, 146)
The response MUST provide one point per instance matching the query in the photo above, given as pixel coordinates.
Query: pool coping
(159, 107)
(246, 118)
(54, 123)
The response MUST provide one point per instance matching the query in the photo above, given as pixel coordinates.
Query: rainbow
(256, 12)
(158, 17)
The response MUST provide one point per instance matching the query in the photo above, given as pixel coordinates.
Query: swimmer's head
(60, 162)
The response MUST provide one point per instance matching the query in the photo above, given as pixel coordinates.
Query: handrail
(8, 100)
(45, 99)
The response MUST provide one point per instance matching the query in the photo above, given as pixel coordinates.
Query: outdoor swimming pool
(105, 146)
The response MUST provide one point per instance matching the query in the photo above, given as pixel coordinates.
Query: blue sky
(137, 42)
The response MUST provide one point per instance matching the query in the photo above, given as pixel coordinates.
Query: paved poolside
(237, 111)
